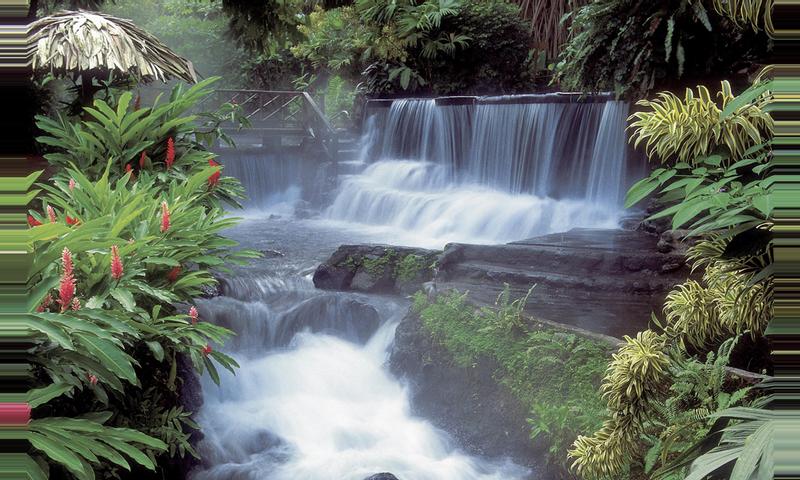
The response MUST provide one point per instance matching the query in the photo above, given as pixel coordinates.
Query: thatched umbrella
(85, 44)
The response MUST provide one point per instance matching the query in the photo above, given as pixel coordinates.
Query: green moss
(377, 266)
(555, 373)
(410, 267)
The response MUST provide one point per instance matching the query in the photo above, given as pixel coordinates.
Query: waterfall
(491, 170)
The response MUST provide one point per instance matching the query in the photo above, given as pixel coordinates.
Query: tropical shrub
(631, 47)
(134, 139)
(120, 254)
(715, 174)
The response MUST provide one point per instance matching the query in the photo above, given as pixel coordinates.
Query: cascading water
(312, 400)
(494, 171)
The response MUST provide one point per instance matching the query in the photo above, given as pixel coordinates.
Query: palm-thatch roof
(74, 42)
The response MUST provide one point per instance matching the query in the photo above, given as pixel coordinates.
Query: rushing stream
(312, 399)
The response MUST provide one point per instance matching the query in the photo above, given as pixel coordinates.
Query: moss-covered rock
(377, 269)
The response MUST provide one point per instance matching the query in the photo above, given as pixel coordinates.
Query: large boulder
(482, 416)
(376, 269)
(382, 476)
(605, 281)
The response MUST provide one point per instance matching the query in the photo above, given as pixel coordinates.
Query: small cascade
(273, 182)
(312, 399)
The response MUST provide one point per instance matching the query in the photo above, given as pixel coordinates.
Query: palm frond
(74, 42)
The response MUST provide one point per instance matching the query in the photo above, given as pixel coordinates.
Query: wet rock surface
(484, 418)
(605, 281)
(376, 269)
(382, 476)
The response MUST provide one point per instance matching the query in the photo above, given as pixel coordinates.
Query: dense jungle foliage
(128, 229)
(126, 235)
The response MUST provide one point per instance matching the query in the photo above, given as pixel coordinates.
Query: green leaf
(111, 356)
(40, 396)
(640, 190)
(125, 298)
(57, 452)
(156, 349)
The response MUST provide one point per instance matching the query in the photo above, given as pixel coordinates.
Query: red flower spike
(172, 275)
(213, 179)
(142, 159)
(73, 221)
(71, 184)
(116, 263)
(33, 222)
(66, 261)
(193, 315)
(129, 169)
(170, 152)
(164, 217)
(92, 379)
(66, 287)
(206, 350)
(51, 214)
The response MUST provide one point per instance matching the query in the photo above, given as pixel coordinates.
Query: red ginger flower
(116, 263)
(73, 221)
(33, 222)
(92, 379)
(129, 169)
(193, 314)
(164, 217)
(213, 179)
(170, 152)
(51, 214)
(66, 261)
(76, 304)
(142, 159)
(66, 287)
(71, 184)
(206, 350)
(172, 275)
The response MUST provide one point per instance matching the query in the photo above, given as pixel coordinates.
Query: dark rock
(674, 241)
(334, 314)
(190, 397)
(382, 476)
(211, 291)
(376, 269)
(270, 253)
(605, 281)
(483, 417)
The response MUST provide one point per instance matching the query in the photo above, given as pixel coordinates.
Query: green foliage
(554, 373)
(631, 47)
(83, 444)
(120, 133)
(718, 160)
(194, 29)
(698, 391)
(410, 267)
(125, 252)
(442, 46)
(676, 130)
